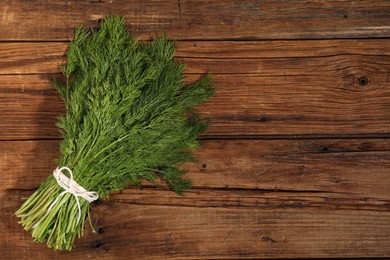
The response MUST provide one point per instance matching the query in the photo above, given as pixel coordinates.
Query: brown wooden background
(296, 163)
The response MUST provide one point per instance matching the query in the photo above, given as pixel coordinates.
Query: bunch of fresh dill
(129, 117)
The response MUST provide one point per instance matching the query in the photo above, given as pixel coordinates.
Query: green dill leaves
(129, 116)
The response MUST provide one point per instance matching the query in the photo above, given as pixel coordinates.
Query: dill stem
(103, 150)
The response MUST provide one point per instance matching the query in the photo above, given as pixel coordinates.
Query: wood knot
(202, 166)
(363, 81)
(100, 230)
(268, 239)
(99, 245)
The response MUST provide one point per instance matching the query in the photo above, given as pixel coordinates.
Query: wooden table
(295, 164)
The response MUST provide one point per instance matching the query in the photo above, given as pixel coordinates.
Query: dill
(129, 116)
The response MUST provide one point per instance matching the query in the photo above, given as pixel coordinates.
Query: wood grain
(251, 199)
(244, 105)
(262, 199)
(193, 232)
(322, 87)
(295, 164)
(206, 19)
(358, 168)
(28, 107)
(48, 57)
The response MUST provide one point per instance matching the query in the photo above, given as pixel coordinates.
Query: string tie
(72, 187)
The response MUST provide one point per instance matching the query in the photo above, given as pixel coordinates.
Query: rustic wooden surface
(296, 163)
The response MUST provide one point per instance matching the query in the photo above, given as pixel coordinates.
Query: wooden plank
(134, 231)
(333, 169)
(206, 19)
(28, 108)
(48, 57)
(246, 198)
(327, 102)
(280, 87)
(253, 198)
(31, 58)
(347, 180)
(277, 49)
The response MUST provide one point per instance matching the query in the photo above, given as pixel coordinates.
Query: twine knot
(72, 187)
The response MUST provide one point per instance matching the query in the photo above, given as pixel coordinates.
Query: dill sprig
(129, 116)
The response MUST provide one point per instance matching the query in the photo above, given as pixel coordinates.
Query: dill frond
(129, 116)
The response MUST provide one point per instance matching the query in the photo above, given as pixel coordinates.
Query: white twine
(72, 187)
